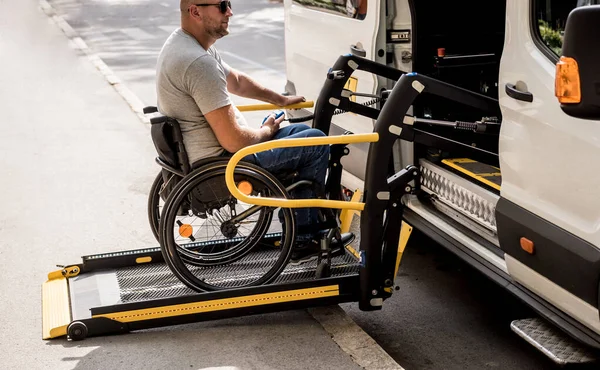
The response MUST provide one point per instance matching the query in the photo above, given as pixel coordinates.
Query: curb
(352, 339)
(132, 100)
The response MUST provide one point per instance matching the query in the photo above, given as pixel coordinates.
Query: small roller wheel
(323, 270)
(77, 330)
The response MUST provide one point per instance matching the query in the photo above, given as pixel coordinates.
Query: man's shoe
(310, 251)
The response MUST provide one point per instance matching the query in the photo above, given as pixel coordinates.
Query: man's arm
(234, 137)
(241, 84)
(206, 82)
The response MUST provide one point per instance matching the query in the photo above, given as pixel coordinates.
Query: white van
(526, 212)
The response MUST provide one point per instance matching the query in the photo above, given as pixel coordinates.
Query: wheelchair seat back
(168, 141)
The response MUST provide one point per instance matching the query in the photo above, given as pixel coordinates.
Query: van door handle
(511, 90)
(358, 51)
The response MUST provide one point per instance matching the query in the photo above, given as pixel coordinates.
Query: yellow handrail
(285, 143)
(252, 107)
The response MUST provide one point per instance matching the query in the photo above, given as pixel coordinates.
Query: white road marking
(169, 29)
(137, 33)
(251, 62)
(276, 37)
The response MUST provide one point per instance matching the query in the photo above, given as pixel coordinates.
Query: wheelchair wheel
(155, 204)
(212, 241)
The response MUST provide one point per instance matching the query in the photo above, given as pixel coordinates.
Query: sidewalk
(77, 165)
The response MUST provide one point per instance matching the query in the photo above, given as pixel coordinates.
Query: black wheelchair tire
(172, 252)
(229, 256)
(153, 202)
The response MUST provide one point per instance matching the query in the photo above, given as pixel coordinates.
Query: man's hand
(272, 124)
(289, 100)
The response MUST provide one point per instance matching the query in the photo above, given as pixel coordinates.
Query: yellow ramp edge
(56, 311)
(223, 304)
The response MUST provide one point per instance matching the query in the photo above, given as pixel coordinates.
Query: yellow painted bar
(405, 231)
(253, 107)
(347, 215)
(224, 304)
(288, 143)
(452, 163)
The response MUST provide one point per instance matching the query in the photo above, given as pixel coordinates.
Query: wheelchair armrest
(169, 168)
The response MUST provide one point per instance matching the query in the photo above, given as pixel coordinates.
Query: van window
(550, 17)
(356, 9)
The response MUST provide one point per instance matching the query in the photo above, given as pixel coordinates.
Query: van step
(561, 348)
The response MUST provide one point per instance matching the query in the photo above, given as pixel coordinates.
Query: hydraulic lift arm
(381, 218)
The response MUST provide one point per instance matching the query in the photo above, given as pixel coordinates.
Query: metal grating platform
(552, 342)
(146, 282)
(472, 201)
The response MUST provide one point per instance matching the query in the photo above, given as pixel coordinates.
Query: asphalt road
(446, 315)
(128, 35)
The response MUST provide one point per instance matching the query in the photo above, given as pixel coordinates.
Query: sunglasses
(223, 5)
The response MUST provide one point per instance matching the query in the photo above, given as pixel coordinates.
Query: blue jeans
(309, 161)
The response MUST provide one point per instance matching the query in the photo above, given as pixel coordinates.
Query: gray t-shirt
(191, 82)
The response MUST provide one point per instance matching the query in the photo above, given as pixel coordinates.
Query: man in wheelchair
(193, 87)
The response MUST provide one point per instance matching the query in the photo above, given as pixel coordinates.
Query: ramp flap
(56, 312)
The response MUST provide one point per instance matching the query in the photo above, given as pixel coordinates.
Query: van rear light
(566, 85)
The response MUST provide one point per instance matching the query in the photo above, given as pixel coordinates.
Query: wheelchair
(205, 232)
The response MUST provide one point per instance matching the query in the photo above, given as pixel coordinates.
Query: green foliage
(551, 36)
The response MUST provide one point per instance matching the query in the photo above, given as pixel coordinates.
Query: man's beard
(218, 32)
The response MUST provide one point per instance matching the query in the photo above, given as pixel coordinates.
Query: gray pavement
(76, 167)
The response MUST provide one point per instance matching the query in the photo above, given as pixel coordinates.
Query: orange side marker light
(567, 87)
(527, 245)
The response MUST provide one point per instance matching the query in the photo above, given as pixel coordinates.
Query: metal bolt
(75, 270)
(374, 292)
(415, 173)
(388, 282)
(335, 164)
(394, 205)
(407, 189)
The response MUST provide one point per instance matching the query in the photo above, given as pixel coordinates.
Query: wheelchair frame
(168, 140)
